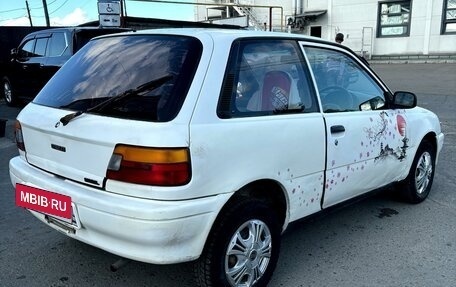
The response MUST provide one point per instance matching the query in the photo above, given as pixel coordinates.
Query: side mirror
(14, 52)
(404, 100)
(372, 104)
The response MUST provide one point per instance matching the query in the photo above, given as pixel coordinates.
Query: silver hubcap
(423, 172)
(7, 91)
(248, 253)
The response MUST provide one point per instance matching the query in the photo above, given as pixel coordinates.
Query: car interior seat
(276, 91)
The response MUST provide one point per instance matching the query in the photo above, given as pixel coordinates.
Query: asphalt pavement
(376, 241)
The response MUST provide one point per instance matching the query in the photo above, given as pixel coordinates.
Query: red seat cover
(276, 90)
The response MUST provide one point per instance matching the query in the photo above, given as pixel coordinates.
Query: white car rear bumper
(159, 232)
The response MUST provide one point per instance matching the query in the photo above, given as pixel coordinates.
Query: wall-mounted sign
(109, 20)
(109, 13)
(109, 7)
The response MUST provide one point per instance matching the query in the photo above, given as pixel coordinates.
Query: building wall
(351, 16)
(439, 43)
(357, 20)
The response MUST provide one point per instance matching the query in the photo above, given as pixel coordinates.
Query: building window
(394, 19)
(449, 17)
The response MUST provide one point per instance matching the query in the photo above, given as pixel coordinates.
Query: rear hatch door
(81, 150)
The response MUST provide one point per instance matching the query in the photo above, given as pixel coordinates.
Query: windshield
(109, 67)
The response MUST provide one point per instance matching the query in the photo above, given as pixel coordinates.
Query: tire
(229, 249)
(8, 93)
(416, 187)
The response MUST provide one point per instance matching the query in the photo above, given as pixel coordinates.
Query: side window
(343, 85)
(266, 77)
(40, 47)
(26, 50)
(449, 17)
(57, 45)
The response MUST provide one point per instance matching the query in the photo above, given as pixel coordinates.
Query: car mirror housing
(13, 52)
(405, 100)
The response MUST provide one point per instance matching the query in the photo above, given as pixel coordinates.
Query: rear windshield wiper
(148, 86)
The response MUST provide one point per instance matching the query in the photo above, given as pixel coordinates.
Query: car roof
(228, 35)
(219, 33)
(71, 29)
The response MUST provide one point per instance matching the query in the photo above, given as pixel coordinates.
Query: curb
(427, 61)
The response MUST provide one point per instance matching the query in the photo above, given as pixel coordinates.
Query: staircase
(246, 11)
(235, 8)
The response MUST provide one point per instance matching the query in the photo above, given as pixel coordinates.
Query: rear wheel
(243, 247)
(7, 92)
(416, 187)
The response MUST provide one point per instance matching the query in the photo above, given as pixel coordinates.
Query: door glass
(40, 47)
(57, 45)
(26, 50)
(342, 83)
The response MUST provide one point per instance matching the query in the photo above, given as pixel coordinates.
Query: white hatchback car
(173, 145)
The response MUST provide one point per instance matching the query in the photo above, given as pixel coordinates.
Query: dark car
(40, 55)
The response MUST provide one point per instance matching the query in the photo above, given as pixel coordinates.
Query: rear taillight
(151, 166)
(18, 136)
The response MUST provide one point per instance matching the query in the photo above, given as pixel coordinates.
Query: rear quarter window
(266, 77)
(108, 67)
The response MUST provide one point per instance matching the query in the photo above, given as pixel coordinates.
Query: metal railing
(248, 11)
(228, 5)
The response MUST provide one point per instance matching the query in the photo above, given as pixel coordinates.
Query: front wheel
(416, 187)
(243, 247)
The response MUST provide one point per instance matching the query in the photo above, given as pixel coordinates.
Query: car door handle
(337, 129)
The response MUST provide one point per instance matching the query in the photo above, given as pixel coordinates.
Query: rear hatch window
(141, 77)
(81, 37)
